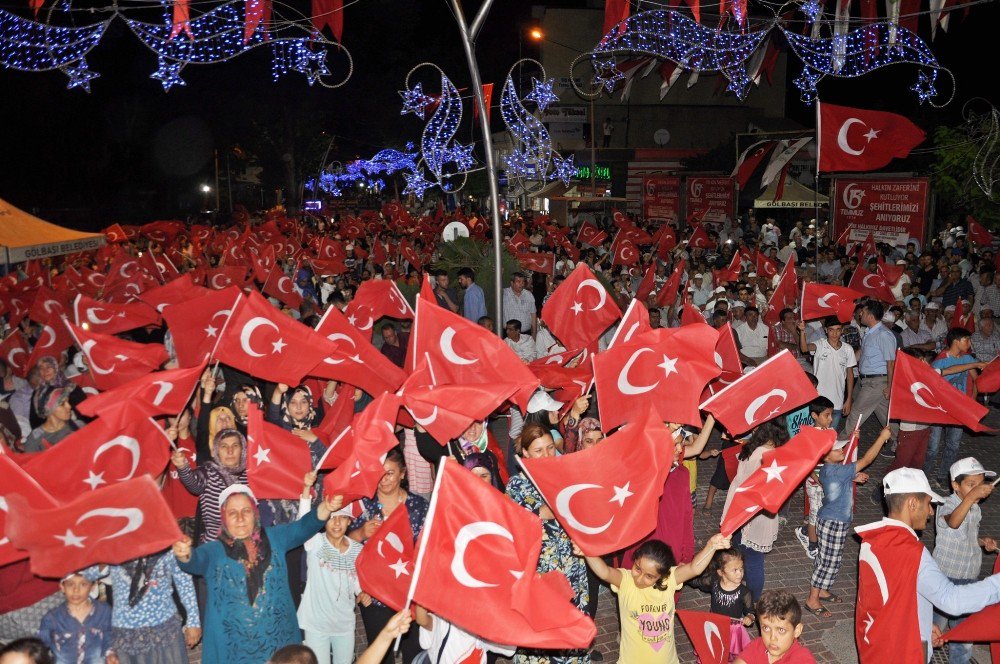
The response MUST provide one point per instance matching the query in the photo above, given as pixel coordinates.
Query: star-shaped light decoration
(415, 101)
(314, 66)
(806, 83)
(739, 82)
(607, 74)
(563, 169)
(462, 156)
(168, 73)
(542, 93)
(813, 9)
(516, 163)
(80, 75)
(924, 87)
(622, 493)
(416, 184)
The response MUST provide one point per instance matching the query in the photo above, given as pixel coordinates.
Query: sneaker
(888, 450)
(812, 550)
(803, 538)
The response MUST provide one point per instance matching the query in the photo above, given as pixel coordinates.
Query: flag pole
(816, 186)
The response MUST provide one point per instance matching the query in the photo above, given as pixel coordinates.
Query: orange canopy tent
(24, 236)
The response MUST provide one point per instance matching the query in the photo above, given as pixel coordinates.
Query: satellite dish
(661, 136)
(453, 230)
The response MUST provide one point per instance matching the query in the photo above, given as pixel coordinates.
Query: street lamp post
(206, 190)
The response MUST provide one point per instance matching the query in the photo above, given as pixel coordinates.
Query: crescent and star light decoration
(730, 49)
(219, 34)
(532, 163)
(443, 162)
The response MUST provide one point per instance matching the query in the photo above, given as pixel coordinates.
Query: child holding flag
(833, 523)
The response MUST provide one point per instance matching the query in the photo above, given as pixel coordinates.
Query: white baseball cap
(233, 489)
(542, 400)
(932, 305)
(909, 480)
(969, 466)
(698, 276)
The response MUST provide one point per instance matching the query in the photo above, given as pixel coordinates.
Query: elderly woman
(59, 421)
(228, 466)
(536, 442)
(250, 611)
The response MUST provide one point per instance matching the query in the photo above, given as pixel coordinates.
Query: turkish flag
(978, 234)
(699, 239)
(920, 394)
(667, 296)
(822, 300)
(777, 386)
(14, 351)
(222, 277)
(630, 231)
(174, 291)
(277, 460)
(727, 357)
(47, 303)
(580, 309)
(961, 319)
(607, 496)
(668, 367)
(537, 262)
(322, 268)
(569, 383)
(459, 351)
(691, 315)
(871, 284)
(163, 392)
(262, 263)
(267, 344)
(634, 322)
(371, 437)
(410, 254)
(853, 139)
(709, 635)
(891, 273)
(590, 234)
(785, 295)
(730, 273)
(647, 284)
(336, 418)
(385, 564)
(988, 381)
(781, 472)
(115, 233)
(121, 444)
(478, 556)
(665, 243)
(765, 266)
(113, 361)
(112, 525)
(52, 340)
(15, 481)
(518, 242)
(863, 250)
(355, 360)
(750, 160)
(280, 287)
(196, 325)
(376, 299)
(109, 318)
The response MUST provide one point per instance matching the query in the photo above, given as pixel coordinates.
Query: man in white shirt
(522, 345)
(933, 322)
(914, 335)
(702, 292)
(752, 338)
(833, 363)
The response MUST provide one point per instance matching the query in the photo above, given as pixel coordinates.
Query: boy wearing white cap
(900, 583)
(957, 546)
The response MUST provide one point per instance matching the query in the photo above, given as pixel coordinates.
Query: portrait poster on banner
(894, 210)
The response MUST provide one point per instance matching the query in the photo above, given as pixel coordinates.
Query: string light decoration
(368, 172)
(443, 162)
(669, 35)
(533, 162)
(213, 37)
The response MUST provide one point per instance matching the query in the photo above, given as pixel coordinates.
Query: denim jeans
(958, 653)
(952, 439)
(753, 568)
(837, 416)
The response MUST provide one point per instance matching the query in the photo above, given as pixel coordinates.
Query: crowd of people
(276, 580)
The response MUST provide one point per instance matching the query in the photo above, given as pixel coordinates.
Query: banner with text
(711, 200)
(661, 197)
(892, 209)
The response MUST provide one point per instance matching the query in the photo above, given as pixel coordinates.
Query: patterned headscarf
(287, 418)
(253, 552)
(229, 475)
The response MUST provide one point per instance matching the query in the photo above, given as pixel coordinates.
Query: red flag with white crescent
(163, 392)
(708, 633)
(385, 565)
(822, 300)
(280, 287)
(15, 352)
(871, 284)
(113, 361)
(277, 459)
(854, 139)
(15, 481)
(580, 310)
(920, 394)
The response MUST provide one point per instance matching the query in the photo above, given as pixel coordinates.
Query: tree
(963, 156)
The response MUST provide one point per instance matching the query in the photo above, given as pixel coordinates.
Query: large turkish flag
(853, 139)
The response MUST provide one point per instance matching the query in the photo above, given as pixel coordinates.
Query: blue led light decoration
(215, 36)
(443, 162)
(533, 163)
(337, 177)
(669, 35)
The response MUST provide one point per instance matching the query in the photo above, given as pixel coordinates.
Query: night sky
(130, 152)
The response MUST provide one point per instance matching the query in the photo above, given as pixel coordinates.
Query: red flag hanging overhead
(920, 394)
(487, 99)
(782, 470)
(709, 635)
(478, 555)
(121, 444)
(111, 318)
(113, 361)
(853, 139)
(277, 460)
(668, 367)
(111, 526)
(774, 387)
(580, 309)
(329, 13)
(871, 284)
(355, 360)
(615, 11)
(822, 300)
(750, 160)
(385, 564)
(607, 496)
(15, 481)
(163, 392)
(196, 325)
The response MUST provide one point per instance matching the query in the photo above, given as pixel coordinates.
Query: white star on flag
(872, 134)
(71, 539)
(577, 308)
(621, 494)
(210, 331)
(399, 567)
(278, 345)
(262, 455)
(669, 365)
(774, 471)
(95, 480)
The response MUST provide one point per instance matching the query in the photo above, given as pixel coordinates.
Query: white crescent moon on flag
(424, 421)
(48, 309)
(466, 535)
(750, 415)
(282, 280)
(868, 285)
(52, 336)
(215, 284)
(121, 270)
(842, 137)
(130, 444)
(93, 317)
(394, 542)
(165, 388)
(336, 336)
(596, 285)
(562, 506)
(823, 300)
(248, 330)
(868, 557)
(133, 514)
(4, 508)
(86, 348)
(12, 353)
(915, 391)
(624, 386)
(712, 630)
(447, 338)
(399, 301)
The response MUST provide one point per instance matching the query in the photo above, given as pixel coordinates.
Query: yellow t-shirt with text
(647, 622)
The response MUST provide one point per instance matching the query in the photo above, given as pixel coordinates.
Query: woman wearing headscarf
(49, 376)
(58, 423)
(211, 419)
(483, 467)
(228, 466)
(476, 439)
(239, 403)
(145, 625)
(250, 612)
